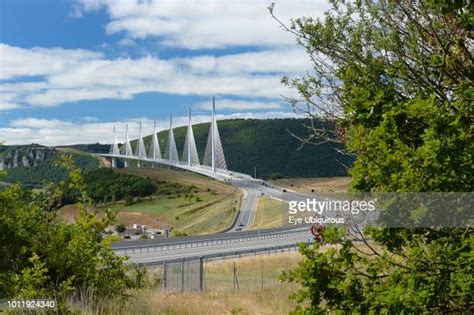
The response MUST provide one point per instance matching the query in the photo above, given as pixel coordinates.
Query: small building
(140, 227)
(132, 233)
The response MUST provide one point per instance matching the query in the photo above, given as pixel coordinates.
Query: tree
(178, 233)
(395, 77)
(120, 228)
(128, 200)
(43, 257)
(276, 176)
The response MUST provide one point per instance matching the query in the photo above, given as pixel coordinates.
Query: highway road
(147, 257)
(248, 206)
(255, 189)
(156, 252)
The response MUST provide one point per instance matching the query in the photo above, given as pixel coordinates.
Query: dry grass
(219, 299)
(323, 184)
(213, 214)
(272, 300)
(215, 211)
(269, 214)
(68, 214)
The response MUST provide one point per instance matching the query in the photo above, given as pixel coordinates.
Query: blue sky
(70, 70)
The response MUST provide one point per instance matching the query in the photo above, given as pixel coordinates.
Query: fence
(221, 274)
(184, 275)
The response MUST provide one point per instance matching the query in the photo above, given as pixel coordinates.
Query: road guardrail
(204, 240)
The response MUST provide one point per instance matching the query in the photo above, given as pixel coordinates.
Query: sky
(71, 70)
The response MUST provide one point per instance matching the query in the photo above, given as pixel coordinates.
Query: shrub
(43, 257)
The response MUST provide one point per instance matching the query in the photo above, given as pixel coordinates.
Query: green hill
(90, 148)
(32, 164)
(265, 144)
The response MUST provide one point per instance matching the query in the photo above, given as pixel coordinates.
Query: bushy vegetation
(43, 257)
(104, 185)
(91, 148)
(401, 72)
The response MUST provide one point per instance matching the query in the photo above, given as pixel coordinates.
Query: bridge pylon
(214, 154)
(141, 151)
(171, 151)
(128, 146)
(155, 151)
(114, 150)
(190, 154)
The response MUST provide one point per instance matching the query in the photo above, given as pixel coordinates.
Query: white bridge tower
(114, 150)
(214, 154)
(171, 151)
(190, 154)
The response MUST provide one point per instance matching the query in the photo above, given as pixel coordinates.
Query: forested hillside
(267, 145)
(105, 185)
(91, 148)
(31, 165)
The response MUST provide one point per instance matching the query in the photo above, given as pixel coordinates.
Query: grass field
(217, 206)
(212, 214)
(219, 296)
(269, 210)
(269, 214)
(212, 207)
(73, 151)
(181, 177)
(323, 184)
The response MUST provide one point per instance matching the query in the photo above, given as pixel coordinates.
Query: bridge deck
(220, 174)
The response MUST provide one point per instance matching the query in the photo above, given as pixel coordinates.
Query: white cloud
(36, 123)
(56, 76)
(58, 132)
(7, 101)
(118, 72)
(126, 42)
(8, 106)
(239, 105)
(90, 118)
(59, 76)
(90, 76)
(205, 24)
(289, 61)
(54, 97)
(37, 61)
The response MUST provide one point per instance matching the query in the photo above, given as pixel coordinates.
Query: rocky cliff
(24, 155)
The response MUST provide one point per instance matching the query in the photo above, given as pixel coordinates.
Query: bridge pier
(125, 163)
(114, 163)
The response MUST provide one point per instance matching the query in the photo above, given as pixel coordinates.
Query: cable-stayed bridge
(213, 165)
